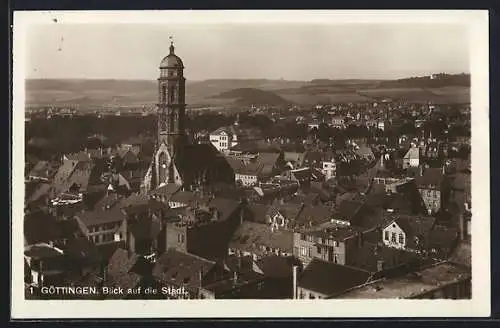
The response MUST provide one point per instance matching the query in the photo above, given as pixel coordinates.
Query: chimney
(235, 278)
(239, 263)
(461, 223)
(294, 282)
(380, 265)
(242, 215)
(104, 274)
(360, 239)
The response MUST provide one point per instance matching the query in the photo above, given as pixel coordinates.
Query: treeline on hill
(438, 81)
(252, 96)
(57, 136)
(45, 139)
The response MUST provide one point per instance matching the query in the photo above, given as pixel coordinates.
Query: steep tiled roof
(288, 210)
(81, 156)
(42, 169)
(185, 197)
(312, 215)
(120, 269)
(330, 279)
(100, 216)
(41, 190)
(63, 174)
(441, 241)
(347, 210)
(166, 190)
(81, 251)
(41, 227)
(278, 266)
(189, 165)
(411, 285)
(431, 177)
(257, 212)
(181, 269)
(237, 263)
(226, 207)
(267, 161)
(368, 255)
(251, 237)
(232, 286)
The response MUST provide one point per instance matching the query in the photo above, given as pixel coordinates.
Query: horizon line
(242, 79)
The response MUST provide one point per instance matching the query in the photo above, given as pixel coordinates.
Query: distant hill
(92, 94)
(252, 96)
(436, 81)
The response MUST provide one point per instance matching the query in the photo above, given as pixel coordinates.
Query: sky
(287, 51)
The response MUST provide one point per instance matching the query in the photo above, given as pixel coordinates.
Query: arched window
(163, 164)
(163, 94)
(172, 94)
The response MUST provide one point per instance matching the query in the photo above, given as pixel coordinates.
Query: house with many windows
(334, 244)
(106, 223)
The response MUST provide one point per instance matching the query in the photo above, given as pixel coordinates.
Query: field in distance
(94, 94)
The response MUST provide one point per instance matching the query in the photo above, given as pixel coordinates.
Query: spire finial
(171, 44)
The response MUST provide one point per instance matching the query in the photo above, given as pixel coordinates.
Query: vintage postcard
(174, 164)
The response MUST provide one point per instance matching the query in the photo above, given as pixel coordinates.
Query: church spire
(171, 45)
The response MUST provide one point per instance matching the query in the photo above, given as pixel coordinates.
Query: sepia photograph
(306, 163)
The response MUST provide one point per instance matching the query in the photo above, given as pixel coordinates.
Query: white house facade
(394, 236)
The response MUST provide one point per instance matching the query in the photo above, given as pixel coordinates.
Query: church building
(176, 160)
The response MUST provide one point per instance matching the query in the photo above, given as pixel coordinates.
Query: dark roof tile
(330, 279)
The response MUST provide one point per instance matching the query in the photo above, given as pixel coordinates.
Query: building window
(318, 249)
(163, 97)
(386, 235)
(401, 238)
(393, 237)
(172, 94)
(303, 251)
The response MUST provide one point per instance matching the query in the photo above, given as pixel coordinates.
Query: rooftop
(430, 177)
(228, 285)
(410, 285)
(329, 278)
(178, 268)
(251, 235)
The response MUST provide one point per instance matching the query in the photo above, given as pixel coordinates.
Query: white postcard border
(479, 305)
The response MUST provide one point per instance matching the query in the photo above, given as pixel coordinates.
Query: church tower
(171, 111)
